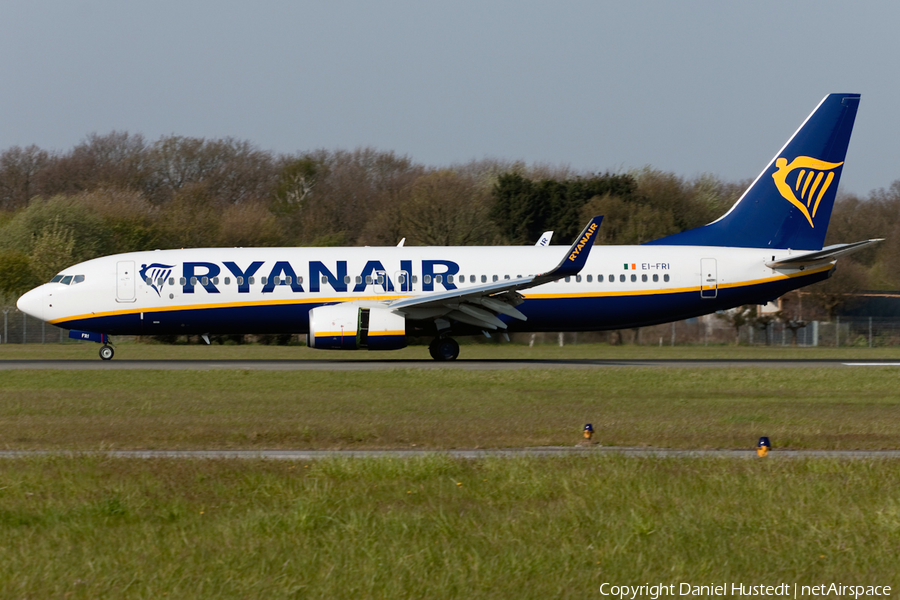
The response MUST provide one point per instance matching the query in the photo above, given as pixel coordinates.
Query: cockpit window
(66, 280)
(78, 279)
(56, 279)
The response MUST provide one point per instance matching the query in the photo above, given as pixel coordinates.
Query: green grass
(435, 527)
(439, 409)
(481, 351)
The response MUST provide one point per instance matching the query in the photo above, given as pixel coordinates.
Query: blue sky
(691, 86)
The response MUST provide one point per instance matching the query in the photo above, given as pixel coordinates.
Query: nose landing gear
(444, 348)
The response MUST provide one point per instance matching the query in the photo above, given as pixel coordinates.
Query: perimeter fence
(872, 332)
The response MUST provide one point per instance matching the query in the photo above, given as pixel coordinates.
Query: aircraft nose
(32, 303)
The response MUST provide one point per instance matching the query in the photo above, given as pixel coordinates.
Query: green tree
(20, 175)
(445, 209)
(89, 235)
(524, 208)
(16, 275)
(52, 251)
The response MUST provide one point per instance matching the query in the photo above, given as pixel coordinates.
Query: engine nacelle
(351, 327)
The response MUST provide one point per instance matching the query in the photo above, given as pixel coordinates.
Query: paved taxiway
(298, 455)
(464, 365)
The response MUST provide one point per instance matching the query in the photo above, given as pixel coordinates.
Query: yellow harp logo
(806, 182)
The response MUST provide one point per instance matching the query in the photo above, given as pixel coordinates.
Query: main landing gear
(106, 352)
(444, 348)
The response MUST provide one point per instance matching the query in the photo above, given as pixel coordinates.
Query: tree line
(120, 192)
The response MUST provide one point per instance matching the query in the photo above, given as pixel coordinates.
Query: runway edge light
(763, 446)
(587, 435)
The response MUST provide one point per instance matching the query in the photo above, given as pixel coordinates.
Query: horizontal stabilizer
(824, 255)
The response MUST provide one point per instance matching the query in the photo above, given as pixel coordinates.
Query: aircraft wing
(481, 305)
(827, 254)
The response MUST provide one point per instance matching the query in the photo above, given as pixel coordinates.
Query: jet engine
(352, 327)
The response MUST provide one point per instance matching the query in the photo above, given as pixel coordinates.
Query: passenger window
(622, 278)
(506, 277)
(449, 279)
(228, 281)
(148, 281)
(612, 278)
(80, 278)
(655, 278)
(415, 279)
(644, 278)
(589, 278)
(484, 279)
(66, 280)
(193, 281)
(299, 279)
(358, 279)
(368, 280)
(496, 278)
(182, 281)
(252, 280)
(288, 280)
(215, 281)
(578, 279)
(205, 281)
(568, 279)
(346, 279)
(401, 279)
(262, 280)
(324, 279)
(438, 278)
(471, 279)
(599, 278)
(56, 279)
(666, 277)
(171, 281)
(240, 280)
(427, 279)
(633, 277)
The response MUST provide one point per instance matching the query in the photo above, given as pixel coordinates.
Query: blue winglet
(577, 255)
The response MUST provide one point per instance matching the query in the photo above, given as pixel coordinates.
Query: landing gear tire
(444, 348)
(106, 352)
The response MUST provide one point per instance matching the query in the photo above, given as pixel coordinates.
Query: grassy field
(528, 527)
(436, 527)
(480, 351)
(439, 409)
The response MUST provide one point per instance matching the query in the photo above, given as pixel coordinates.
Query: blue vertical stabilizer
(789, 204)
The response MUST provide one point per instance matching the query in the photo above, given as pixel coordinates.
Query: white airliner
(767, 244)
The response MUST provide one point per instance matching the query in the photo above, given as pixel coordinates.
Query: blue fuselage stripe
(589, 313)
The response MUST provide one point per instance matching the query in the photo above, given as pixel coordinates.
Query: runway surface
(299, 455)
(464, 365)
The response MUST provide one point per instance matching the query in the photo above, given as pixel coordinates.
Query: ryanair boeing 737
(768, 243)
